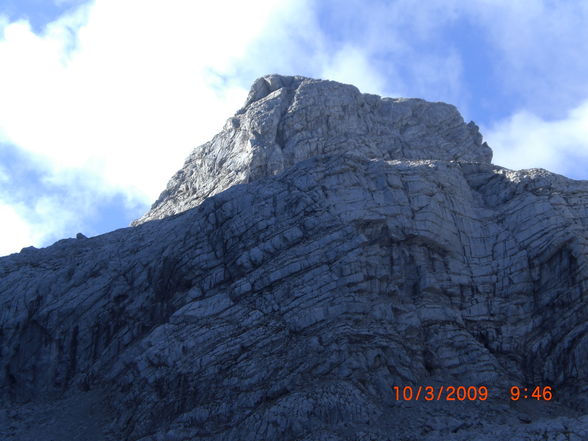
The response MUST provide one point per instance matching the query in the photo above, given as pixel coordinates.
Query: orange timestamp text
(441, 393)
(538, 392)
(467, 393)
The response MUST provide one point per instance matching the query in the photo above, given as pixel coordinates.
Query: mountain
(286, 120)
(324, 253)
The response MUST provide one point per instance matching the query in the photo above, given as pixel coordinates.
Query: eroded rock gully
(373, 244)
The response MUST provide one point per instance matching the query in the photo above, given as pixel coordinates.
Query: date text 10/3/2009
(467, 393)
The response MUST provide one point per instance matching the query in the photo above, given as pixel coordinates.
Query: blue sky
(103, 100)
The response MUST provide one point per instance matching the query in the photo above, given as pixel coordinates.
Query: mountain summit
(374, 278)
(287, 120)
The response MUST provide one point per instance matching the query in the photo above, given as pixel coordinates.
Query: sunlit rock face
(372, 245)
(286, 120)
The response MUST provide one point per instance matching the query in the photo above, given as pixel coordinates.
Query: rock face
(289, 119)
(374, 245)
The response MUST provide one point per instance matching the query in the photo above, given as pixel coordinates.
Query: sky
(101, 101)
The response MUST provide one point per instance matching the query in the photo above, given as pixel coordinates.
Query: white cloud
(351, 65)
(539, 49)
(120, 93)
(528, 141)
(377, 46)
(24, 225)
(131, 88)
(21, 232)
(41, 219)
(123, 89)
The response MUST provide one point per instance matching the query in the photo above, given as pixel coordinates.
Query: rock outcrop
(286, 120)
(374, 245)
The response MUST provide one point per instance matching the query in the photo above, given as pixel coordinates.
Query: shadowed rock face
(373, 246)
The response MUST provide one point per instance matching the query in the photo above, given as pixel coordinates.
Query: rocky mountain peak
(375, 278)
(289, 119)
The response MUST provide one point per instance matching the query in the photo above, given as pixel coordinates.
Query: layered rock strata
(286, 120)
(374, 245)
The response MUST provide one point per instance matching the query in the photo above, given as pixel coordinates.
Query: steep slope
(289, 308)
(288, 119)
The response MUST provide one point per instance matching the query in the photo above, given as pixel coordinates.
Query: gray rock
(289, 119)
(382, 249)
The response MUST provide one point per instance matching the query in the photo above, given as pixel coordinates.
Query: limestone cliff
(286, 120)
(373, 245)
